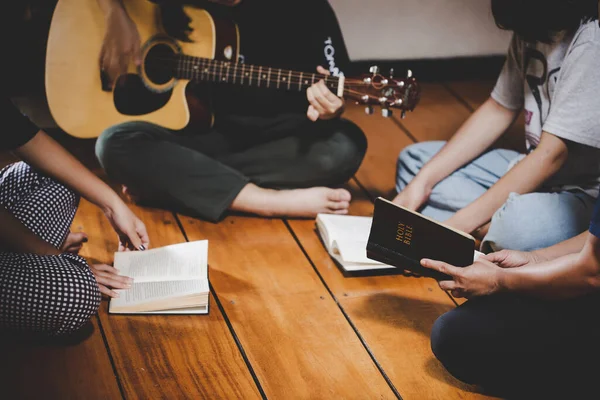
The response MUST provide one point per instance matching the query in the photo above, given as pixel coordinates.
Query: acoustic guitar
(83, 106)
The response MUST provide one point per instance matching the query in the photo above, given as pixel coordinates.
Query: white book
(345, 238)
(166, 280)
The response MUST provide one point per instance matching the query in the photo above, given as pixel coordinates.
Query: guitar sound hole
(160, 64)
(131, 97)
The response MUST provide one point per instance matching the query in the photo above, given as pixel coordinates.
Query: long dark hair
(541, 20)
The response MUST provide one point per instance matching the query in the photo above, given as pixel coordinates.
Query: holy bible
(402, 238)
(166, 280)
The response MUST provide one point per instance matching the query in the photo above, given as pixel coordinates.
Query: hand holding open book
(169, 280)
(395, 238)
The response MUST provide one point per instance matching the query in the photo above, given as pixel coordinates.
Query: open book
(345, 238)
(167, 280)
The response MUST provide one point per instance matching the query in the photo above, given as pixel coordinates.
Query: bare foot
(292, 203)
(74, 242)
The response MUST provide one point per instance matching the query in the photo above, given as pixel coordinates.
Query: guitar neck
(207, 70)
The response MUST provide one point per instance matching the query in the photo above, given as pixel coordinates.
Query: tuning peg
(374, 69)
(368, 110)
(391, 73)
(403, 115)
(409, 74)
(386, 112)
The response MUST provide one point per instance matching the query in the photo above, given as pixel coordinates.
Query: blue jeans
(525, 222)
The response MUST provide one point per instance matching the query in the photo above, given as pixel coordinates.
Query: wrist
(111, 204)
(503, 281)
(539, 256)
(112, 8)
(424, 181)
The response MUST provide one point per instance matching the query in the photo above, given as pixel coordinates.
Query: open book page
(183, 261)
(353, 252)
(347, 237)
(155, 295)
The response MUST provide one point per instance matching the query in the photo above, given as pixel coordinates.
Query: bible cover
(401, 237)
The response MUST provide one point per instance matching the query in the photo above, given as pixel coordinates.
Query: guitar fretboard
(203, 69)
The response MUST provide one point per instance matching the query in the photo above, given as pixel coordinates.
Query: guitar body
(77, 95)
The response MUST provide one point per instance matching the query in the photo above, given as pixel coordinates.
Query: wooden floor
(284, 322)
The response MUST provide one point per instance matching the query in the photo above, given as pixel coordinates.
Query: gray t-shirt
(558, 85)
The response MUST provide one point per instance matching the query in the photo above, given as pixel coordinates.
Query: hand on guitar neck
(323, 103)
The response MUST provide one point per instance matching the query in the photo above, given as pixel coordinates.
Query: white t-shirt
(558, 85)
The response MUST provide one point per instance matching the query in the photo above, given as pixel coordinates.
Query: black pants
(201, 174)
(520, 347)
(50, 295)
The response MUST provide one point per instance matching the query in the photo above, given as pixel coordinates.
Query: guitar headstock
(388, 93)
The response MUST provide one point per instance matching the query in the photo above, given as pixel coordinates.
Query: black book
(402, 238)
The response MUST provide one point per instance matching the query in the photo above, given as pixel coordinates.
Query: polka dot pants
(52, 295)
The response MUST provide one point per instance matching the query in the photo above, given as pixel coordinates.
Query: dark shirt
(595, 224)
(16, 128)
(287, 34)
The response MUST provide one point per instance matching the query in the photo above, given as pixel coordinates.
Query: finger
(312, 113)
(441, 267)
(338, 205)
(112, 283)
(114, 277)
(320, 91)
(136, 52)
(143, 235)
(447, 285)
(496, 257)
(458, 293)
(105, 268)
(135, 240)
(112, 69)
(107, 291)
(336, 101)
(323, 71)
(310, 95)
(341, 212)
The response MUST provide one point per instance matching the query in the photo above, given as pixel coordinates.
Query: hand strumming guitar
(323, 103)
(121, 43)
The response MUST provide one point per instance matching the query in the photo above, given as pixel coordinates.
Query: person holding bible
(530, 327)
(546, 195)
(45, 286)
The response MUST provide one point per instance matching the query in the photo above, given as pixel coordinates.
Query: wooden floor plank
(167, 356)
(298, 341)
(393, 314)
(58, 369)
(474, 93)
(438, 115)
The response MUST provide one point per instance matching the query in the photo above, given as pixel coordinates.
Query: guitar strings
(248, 70)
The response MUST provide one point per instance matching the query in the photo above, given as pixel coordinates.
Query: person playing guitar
(269, 153)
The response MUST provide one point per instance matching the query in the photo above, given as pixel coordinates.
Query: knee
(106, 144)
(520, 225)
(115, 142)
(347, 151)
(413, 157)
(351, 144)
(79, 305)
(449, 348)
